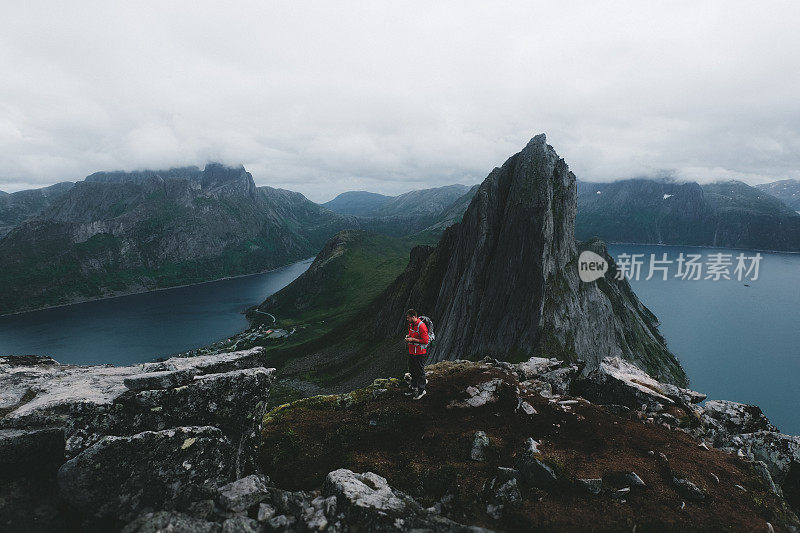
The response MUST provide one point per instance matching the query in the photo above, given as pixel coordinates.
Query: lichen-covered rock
(723, 419)
(508, 493)
(365, 491)
(682, 396)
(119, 476)
(88, 403)
(480, 443)
(244, 493)
(480, 394)
(317, 514)
(233, 401)
(229, 400)
(280, 523)
(265, 512)
(781, 453)
(87, 397)
(536, 365)
(367, 501)
(560, 379)
(526, 408)
(619, 382)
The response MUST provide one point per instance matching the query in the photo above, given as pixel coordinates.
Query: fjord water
(736, 342)
(141, 327)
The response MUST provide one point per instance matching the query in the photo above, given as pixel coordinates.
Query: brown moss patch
(422, 448)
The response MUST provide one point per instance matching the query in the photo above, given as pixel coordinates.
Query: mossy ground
(422, 448)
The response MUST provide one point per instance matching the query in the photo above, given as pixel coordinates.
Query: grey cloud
(327, 97)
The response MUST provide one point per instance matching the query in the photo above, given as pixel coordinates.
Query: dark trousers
(416, 367)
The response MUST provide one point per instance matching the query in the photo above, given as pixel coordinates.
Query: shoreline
(131, 293)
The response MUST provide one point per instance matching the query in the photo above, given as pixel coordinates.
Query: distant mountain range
(650, 211)
(122, 232)
(429, 203)
(787, 191)
(726, 214)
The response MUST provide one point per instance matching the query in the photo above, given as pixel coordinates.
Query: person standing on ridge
(417, 340)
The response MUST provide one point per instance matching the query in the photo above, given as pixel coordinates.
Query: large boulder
(231, 401)
(618, 382)
(722, 420)
(536, 365)
(87, 398)
(366, 501)
(90, 402)
(119, 476)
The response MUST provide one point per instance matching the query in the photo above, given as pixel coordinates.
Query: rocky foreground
(186, 445)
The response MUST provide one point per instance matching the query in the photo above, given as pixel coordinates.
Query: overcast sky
(325, 97)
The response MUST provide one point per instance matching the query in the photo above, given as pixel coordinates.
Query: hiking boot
(419, 395)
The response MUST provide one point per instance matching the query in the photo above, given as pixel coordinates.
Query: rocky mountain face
(504, 281)
(122, 232)
(18, 207)
(727, 214)
(787, 191)
(187, 445)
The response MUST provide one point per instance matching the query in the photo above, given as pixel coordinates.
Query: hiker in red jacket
(417, 340)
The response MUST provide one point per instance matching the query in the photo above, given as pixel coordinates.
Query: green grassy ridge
(342, 281)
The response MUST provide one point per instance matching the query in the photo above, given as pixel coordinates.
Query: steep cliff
(504, 281)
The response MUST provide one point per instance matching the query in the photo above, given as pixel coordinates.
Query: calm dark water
(736, 343)
(141, 327)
